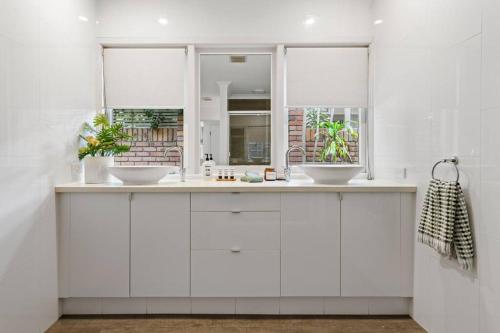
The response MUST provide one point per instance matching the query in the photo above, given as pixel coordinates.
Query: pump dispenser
(206, 168)
(212, 162)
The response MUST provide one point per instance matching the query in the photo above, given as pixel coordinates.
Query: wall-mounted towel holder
(453, 160)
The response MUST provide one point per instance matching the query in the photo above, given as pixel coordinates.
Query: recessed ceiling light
(83, 18)
(162, 21)
(377, 22)
(310, 21)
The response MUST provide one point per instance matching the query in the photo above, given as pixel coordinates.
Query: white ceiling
(255, 73)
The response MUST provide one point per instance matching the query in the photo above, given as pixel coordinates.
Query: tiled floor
(227, 324)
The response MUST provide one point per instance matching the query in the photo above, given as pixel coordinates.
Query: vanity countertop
(192, 185)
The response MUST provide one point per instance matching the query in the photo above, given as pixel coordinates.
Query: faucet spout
(182, 171)
(288, 170)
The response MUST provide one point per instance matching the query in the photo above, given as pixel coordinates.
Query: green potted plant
(103, 140)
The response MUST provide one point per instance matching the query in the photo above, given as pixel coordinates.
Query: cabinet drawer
(228, 274)
(227, 202)
(245, 230)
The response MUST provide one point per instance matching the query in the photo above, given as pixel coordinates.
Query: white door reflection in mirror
(250, 138)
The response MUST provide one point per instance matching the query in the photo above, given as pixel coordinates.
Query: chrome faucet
(182, 171)
(288, 170)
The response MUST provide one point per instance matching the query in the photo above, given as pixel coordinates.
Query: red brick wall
(296, 137)
(149, 144)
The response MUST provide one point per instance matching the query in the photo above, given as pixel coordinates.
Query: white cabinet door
(371, 244)
(99, 245)
(160, 250)
(310, 244)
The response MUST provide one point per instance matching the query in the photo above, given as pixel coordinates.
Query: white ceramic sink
(331, 174)
(139, 175)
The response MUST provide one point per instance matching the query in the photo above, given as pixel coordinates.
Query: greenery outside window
(330, 135)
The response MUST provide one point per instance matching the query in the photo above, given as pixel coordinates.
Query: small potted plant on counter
(103, 140)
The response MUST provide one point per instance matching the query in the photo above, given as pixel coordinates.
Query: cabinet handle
(235, 249)
(236, 211)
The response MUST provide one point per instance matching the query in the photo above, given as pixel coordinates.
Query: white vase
(96, 169)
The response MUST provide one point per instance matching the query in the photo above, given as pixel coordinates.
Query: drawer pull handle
(235, 249)
(236, 211)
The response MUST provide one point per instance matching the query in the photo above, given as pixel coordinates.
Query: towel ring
(453, 160)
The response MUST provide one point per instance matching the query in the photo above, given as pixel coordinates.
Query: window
(153, 131)
(148, 118)
(327, 99)
(144, 89)
(328, 135)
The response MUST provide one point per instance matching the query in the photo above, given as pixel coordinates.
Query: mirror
(235, 108)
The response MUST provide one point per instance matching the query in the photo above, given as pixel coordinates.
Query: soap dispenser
(206, 168)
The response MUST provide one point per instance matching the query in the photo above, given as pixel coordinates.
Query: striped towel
(444, 223)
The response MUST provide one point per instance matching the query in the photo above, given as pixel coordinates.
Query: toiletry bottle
(270, 174)
(206, 168)
(280, 174)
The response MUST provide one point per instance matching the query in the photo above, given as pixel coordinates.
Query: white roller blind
(140, 78)
(327, 77)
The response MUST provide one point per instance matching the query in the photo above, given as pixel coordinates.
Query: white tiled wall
(437, 69)
(229, 21)
(47, 88)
